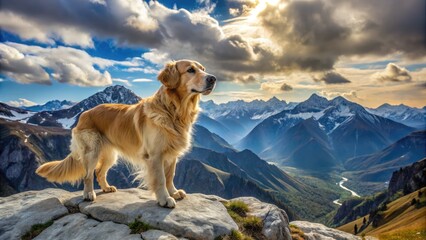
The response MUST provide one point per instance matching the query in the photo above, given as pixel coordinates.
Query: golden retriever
(152, 134)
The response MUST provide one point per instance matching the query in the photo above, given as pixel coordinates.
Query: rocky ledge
(114, 216)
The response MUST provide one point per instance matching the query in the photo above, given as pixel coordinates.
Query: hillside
(404, 181)
(401, 219)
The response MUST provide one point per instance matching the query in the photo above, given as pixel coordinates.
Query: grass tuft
(296, 232)
(139, 227)
(36, 230)
(238, 207)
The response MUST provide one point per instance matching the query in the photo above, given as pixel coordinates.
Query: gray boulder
(195, 217)
(275, 220)
(317, 231)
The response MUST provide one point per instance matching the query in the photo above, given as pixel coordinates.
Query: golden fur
(152, 134)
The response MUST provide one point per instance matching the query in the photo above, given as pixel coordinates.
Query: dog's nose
(211, 79)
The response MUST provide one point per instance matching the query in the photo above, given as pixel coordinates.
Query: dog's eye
(191, 70)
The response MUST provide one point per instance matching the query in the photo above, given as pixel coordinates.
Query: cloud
(21, 102)
(285, 87)
(351, 95)
(234, 12)
(276, 87)
(393, 73)
(331, 77)
(32, 64)
(124, 81)
(316, 34)
(147, 70)
(139, 80)
(246, 79)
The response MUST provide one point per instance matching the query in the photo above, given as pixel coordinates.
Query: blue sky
(258, 49)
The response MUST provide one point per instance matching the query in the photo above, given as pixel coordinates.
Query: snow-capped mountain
(338, 128)
(410, 116)
(67, 118)
(14, 113)
(51, 106)
(241, 116)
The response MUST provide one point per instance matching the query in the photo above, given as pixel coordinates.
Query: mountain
(13, 113)
(216, 127)
(67, 118)
(206, 139)
(380, 165)
(336, 129)
(240, 116)
(410, 116)
(295, 147)
(51, 106)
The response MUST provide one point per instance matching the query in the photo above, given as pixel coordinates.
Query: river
(354, 194)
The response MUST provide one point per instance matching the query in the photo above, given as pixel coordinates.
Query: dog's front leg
(170, 168)
(157, 181)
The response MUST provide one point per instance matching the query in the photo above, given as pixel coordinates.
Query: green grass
(405, 234)
(139, 227)
(250, 226)
(238, 207)
(36, 230)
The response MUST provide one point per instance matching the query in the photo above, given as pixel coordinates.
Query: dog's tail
(68, 170)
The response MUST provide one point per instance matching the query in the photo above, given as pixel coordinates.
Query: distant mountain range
(50, 106)
(321, 133)
(240, 117)
(413, 117)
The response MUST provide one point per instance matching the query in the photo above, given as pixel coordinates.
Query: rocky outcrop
(316, 231)
(113, 216)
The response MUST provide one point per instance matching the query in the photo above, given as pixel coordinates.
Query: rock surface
(275, 220)
(21, 211)
(158, 235)
(79, 226)
(195, 217)
(316, 231)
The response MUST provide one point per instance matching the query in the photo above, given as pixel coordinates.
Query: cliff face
(409, 178)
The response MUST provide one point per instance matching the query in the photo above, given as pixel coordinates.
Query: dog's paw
(109, 189)
(168, 202)
(89, 196)
(179, 194)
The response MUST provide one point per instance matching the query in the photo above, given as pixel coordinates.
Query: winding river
(354, 194)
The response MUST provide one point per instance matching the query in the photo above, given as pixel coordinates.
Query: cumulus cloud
(351, 95)
(275, 87)
(315, 34)
(30, 64)
(331, 77)
(147, 70)
(21, 102)
(393, 73)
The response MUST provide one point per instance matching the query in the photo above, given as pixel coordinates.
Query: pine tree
(356, 229)
(364, 221)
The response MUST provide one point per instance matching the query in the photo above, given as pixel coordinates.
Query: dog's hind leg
(107, 159)
(89, 145)
(156, 180)
(170, 168)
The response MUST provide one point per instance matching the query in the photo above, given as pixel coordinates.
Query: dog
(152, 134)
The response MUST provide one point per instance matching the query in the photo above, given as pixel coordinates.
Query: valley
(309, 158)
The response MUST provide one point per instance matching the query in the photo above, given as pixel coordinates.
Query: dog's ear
(169, 76)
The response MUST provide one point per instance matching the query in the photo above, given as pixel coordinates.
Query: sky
(370, 52)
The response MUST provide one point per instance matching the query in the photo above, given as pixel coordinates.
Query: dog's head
(188, 77)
